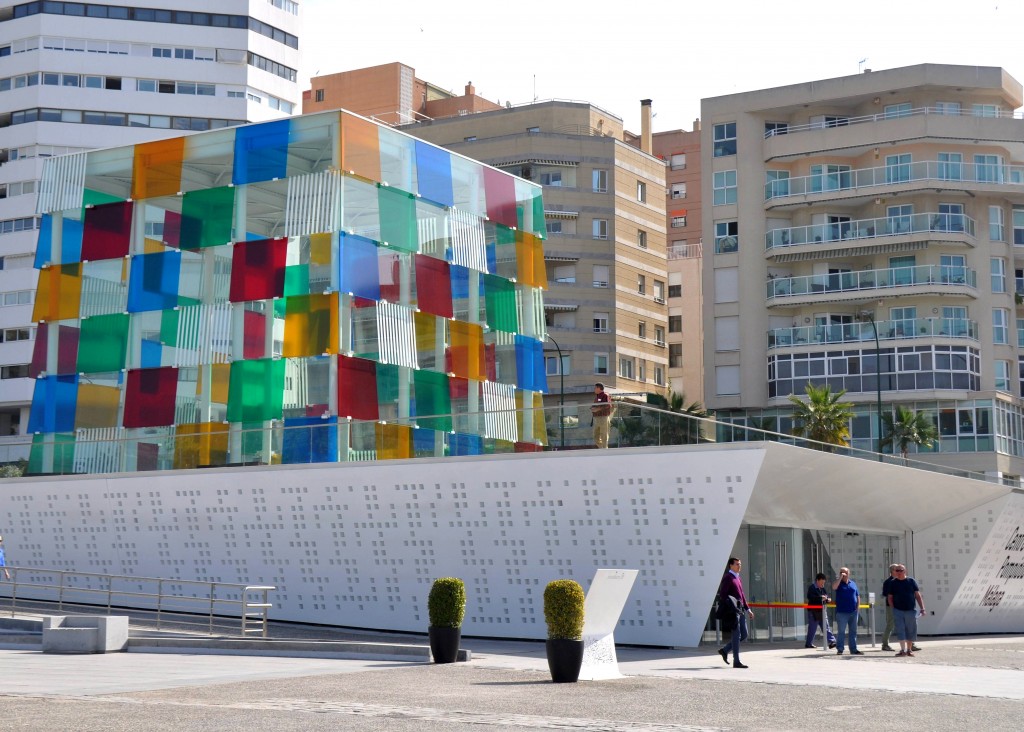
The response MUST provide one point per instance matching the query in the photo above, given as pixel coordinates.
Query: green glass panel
(280, 308)
(206, 217)
(296, 280)
(256, 390)
(252, 438)
(169, 327)
(538, 215)
(103, 343)
(433, 397)
(398, 219)
(98, 198)
(505, 235)
(387, 386)
(501, 304)
(62, 447)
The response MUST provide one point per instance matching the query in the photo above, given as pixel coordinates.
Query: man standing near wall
(847, 598)
(904, 592)
(602, 411)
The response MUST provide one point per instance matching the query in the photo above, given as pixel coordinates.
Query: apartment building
(77, 76)
(680, 149)
(887, 205)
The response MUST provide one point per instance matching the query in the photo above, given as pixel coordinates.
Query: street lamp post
(561, 393)
(870, 317)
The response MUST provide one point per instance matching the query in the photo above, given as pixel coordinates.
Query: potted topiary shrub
(446, 606)
(563, 612)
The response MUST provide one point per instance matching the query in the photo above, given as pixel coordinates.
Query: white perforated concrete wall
(359, 544)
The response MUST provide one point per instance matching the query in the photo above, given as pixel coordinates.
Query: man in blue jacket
(847, 598)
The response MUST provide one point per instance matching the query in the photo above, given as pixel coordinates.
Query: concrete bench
(84, 633)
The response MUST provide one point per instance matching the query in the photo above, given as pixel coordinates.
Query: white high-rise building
(77, 76)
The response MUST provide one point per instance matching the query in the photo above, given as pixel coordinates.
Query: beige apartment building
(886, 204)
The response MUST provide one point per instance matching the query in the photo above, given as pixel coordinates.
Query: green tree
(637, 426)
(822, 418)
(907, 427)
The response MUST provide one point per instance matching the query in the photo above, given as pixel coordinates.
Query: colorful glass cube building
(313, 289)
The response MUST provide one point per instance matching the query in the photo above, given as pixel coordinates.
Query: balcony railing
(887, 330)
(839, 121)
(888, 175)
(871, 279)
(686, 251)
(921, 223)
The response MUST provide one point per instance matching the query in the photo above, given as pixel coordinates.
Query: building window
(678, 190)
(988, 168)
(601, 274)
(659, 335)
(626, 367)
(678, 221)
(724, 139)
(641, 370)
(600, 322)
(600, 228)
(659, 291)
(725, 187)
(18, 371)
(319, 95)
(1002, 375)
(771, 129)
(985, 110)
(1018, 225)
(675, 322)
(641, 239)
(675, 291)
(659, 375)
(726, 236)
(776, 183)
(998, 269)
(641, 284)
(641, 191)
(678, 161)
(995, 224)
(551, 365)
(1000, 326)
(16, 334)
(532, 130)
(898, 110)
(600, 181)
(951, 108)
(675, 355)
(565, 274)
(601, 364)
(553, 227)
(470, 138)
(641, 329)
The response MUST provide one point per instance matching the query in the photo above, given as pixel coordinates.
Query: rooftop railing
(938, 172)
(921, 223)
(830, 121)
(845, 333)
(871, 279)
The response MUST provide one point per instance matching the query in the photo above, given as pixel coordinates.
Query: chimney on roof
(470, 89)
(645, 126)
(696, 125)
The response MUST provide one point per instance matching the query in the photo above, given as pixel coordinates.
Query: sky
(675, 53)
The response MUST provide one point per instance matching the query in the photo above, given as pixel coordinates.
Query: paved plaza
(953, 684)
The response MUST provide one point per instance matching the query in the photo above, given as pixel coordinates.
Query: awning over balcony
(561, 308)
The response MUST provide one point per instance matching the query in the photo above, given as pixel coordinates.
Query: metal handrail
(841, 121)
(252, 612)
(871, 279)
(896, 225)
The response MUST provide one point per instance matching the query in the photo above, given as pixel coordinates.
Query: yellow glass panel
(199, 444)
(539, 268)
(394, 441)
(540, 429)
(360, 147)
(156, 169)
(467, 347)
(221, 377)
(320, 249)
(59, 293)
(97, 406)
(153, 246)
(426, 332)
(311, 325)
(530, 260)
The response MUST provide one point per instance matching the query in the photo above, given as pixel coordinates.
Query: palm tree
(822, 417)
(906, 428)
(636, 426)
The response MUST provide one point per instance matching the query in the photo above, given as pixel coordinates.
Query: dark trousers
(739, 633)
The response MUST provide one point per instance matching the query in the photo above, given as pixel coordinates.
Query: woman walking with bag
(733, 611)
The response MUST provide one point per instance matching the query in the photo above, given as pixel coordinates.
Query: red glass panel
(500, 189)
(433, 286)
(257, 270)
(172, 228)
(149, 397)
(254, 341)
(357, 388)
(67, 350)
(108, 231)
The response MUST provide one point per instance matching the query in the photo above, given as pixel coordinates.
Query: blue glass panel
(359, 273)
(261, 152)
(530, 372)
(153, 281)
(53, 404)
(460, 444)
(460, 282)
(423, 440)
(71, 242)
(492, 257)
(309, 440)
(434, 173)
(152, 352)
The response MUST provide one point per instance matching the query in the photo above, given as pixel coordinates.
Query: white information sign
(603, 606)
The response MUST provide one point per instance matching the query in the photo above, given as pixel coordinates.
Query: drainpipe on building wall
(646, 144)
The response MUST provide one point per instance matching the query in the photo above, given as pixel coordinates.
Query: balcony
(823, 235)
(839, 121)
(856, 285)
(888, 330)
(685, 251)
(937, 174)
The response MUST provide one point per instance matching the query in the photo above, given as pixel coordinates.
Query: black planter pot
(444, 644)
(565, 657)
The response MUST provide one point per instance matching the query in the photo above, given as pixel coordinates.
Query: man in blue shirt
(3, 559)
(847, 598)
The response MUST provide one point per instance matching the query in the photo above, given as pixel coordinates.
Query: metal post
(878, 378)
(561, 392)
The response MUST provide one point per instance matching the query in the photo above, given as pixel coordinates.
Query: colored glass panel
(388, 376)
(357, 388)
(389, 270)
(220, 377)
(150, 396)
(397, 159)
(108, 231)
(502, 312)
(311, 325)
(360, 147)
(434, 174)
(103, 343)
(501, 197)
(530, 260)
(430, 345)
(172, 228)
(254, 335)
(320, 249)
(59, 448)
(156, 169)
(467, 350)
(153, 281)
(530, 373)
(261, 152)
(207, 217)
(309, 440)
(258, 269)
(67, 350)
(97, 406)
(432, 398)
(296, 280)
(256, 393)
(53, 404)
(200, 444)
(151, 353)
(70, 241)
(59, 293)
(463, 444)
(398, 218)
(394, 441)
(169, 327)
(433, 286)
(359, 275)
